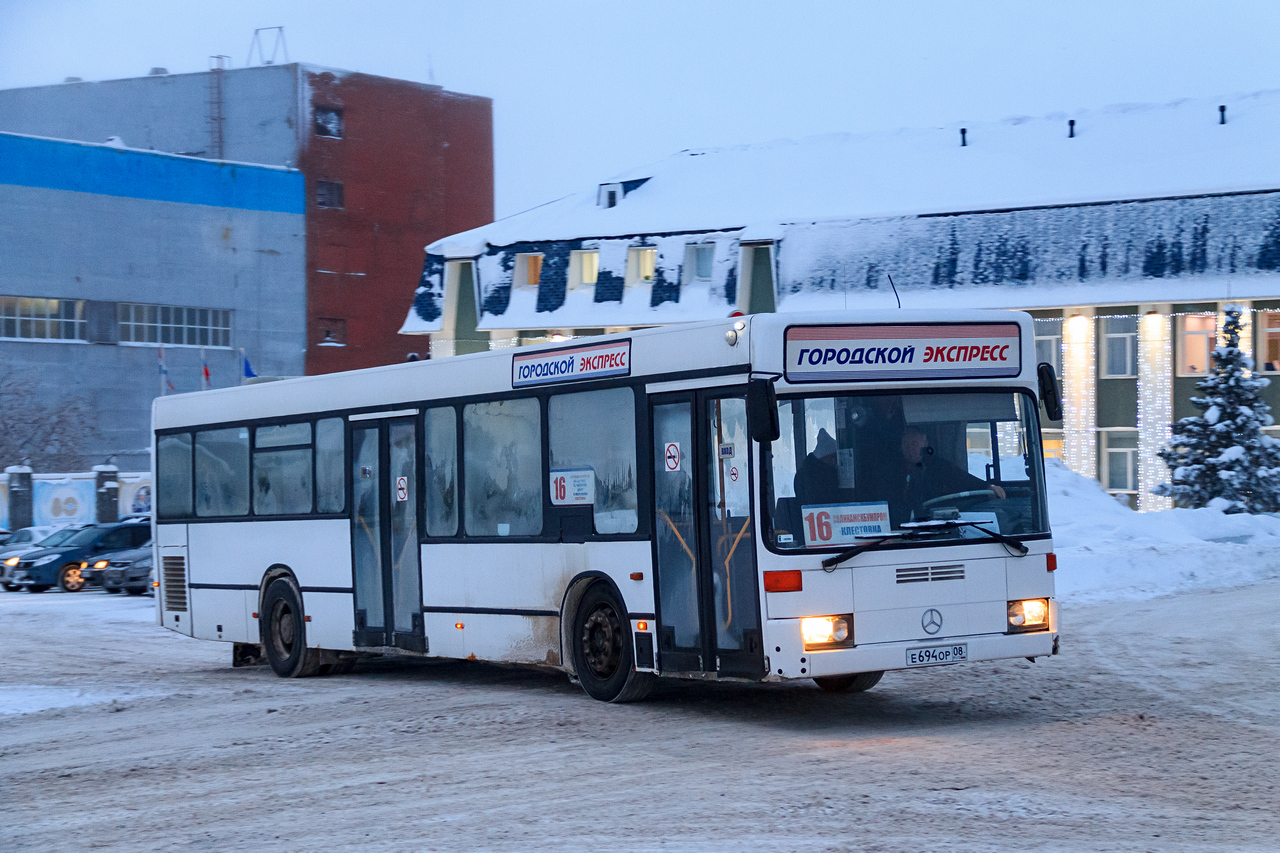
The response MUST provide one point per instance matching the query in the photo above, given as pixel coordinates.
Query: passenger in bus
(817, 480)
(926, 476)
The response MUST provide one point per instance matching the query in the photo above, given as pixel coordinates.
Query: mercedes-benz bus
(765, 498)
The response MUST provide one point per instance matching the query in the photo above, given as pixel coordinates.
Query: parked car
(131, 571)
(5, 533)
(40, 570)
(25, 539)
(10, 558)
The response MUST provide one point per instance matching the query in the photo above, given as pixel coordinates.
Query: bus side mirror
(1049, 391)
(762, 410)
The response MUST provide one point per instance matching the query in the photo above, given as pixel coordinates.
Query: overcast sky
(582, 90)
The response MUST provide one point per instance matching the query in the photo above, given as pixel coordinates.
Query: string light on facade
(1079, 387)
(1155, 406)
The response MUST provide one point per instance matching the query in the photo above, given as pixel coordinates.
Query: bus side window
(330, 466)
(502, 464)
(593, 435)
(173, 473)
(440, 491)
(282, 470)
(222, 472)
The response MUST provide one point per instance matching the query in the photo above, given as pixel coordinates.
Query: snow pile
(1108, 551)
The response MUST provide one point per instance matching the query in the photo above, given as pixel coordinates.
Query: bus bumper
(876, 657)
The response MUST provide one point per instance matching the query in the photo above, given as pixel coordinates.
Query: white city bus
(764, 498)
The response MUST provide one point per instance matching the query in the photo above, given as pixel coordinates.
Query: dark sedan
(131, 571)
(41, 570)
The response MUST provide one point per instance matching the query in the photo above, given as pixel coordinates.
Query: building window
(1049, 343)
(584, 269)
(697, 262)
(607, 195)
(329, 194)
(331, 331)
(1269, 345)
(174, 326)
(528, 271)
(1120, 347)
(1195, 343)
(328, 122)
(641, 265)
(22, 318)
(1120, 455)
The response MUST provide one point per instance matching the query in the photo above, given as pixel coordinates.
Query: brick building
(389, 166)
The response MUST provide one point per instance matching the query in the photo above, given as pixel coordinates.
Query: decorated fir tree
(1223, 457)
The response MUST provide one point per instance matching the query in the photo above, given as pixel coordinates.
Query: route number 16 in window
(819, 526)
(561, 490)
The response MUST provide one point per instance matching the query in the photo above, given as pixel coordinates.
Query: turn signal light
(783, 581)
(458, 625)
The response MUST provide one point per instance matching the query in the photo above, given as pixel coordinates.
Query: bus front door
(384, 535)
(708, 598)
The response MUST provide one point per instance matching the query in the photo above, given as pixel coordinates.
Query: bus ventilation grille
(923, 574)
(175, 584)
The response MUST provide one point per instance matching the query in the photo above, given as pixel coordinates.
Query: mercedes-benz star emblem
(931, 621)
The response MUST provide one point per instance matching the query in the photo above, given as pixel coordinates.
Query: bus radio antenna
(895, 290)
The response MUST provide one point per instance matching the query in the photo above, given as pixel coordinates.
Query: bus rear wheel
(845, 683)
(284, 632)
(602, 653)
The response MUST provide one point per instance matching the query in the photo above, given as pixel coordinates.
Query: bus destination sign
(888, 352)
(566, 364)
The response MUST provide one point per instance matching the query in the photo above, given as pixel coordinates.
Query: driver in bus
(927, 476)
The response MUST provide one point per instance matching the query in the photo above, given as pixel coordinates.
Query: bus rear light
(783, 581)
(642, 626)
(458, 625)
(1051, 562)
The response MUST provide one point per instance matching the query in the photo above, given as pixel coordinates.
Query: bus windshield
(849, 466)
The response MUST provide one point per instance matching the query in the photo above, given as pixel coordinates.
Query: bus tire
(602, 653)
(284, 632)
(845, 683)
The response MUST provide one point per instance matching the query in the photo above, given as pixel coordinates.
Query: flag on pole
(248, 368)
(165, 385)
(204, 371)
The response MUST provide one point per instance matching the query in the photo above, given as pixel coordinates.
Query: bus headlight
(1030, 614)
(825, 631)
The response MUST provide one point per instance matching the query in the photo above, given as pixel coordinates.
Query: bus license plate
(935, 655)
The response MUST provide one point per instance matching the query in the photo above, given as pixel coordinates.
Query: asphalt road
(1157, 728)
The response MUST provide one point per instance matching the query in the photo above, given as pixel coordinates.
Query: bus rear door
(384, 533)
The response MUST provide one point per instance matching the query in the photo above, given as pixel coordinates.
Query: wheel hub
(602, 641)
(73, 579)
(286, 627)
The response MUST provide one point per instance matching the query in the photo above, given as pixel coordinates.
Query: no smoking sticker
(671, 456)
(402, 489)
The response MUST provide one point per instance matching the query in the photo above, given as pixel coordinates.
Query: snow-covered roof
(1121, 152)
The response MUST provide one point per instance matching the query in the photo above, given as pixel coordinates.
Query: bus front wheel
(284, 632)
(844, 683)
(602, 653)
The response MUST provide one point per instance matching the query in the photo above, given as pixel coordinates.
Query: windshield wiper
(874, 543)
(952, 524)
(918, 529)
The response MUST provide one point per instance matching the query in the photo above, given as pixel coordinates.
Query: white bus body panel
(458, 575)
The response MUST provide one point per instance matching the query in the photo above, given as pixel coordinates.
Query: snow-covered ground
(1155, 729)
(1106, 551)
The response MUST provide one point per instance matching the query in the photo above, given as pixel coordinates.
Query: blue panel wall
(57, 165)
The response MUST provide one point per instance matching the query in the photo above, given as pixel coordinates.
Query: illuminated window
(641, 264)
(1120, 347)
(41, 319)
(584, 269)
(1269, 326)
(1195, 342)
(528, 271)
